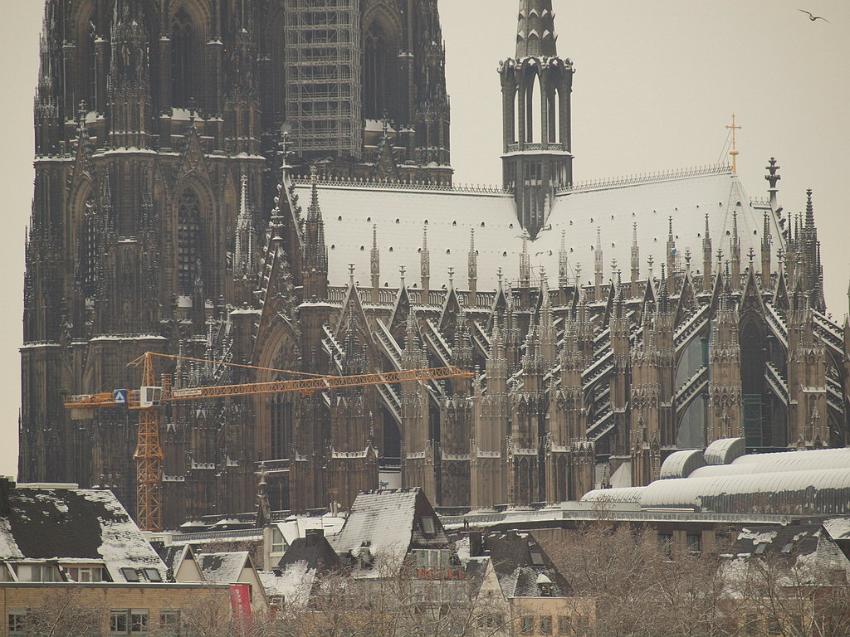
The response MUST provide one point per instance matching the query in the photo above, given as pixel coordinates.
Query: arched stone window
(281, 427)
(89, 251)
(376, 73)
(182, 45)
(91, 67)
(188, 241)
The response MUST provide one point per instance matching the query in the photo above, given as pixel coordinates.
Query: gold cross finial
(734, 152)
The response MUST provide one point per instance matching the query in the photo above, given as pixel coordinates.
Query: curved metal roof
(624, 494)
(687, 492)
(681, 464)
(724, 451)
(785, 461)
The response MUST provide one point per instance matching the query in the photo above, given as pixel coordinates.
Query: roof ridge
(645, 178)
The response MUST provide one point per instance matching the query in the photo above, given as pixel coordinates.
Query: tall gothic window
(89, 249)
(753, 356)
(188, 241)
(181, 60)
(281, 427)
(91, 68)
(376, 74)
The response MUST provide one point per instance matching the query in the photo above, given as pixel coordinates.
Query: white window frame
(119, 612)
(18, 616)
(144, 625)
(277, 547)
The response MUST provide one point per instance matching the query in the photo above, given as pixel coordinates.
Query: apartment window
(138, 621)
(545, 625)
(153, 575)
(17, 622)
(169, 622)
(773, 627)
(582, 626)
(278, 543)
(694, 542)
(85, 573)
(527, 625)
(118, 622)
(37, 573)
(665, 543)
(563, 625)
(130, 574)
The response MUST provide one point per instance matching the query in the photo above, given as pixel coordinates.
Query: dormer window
(278, 543)
(428, 525)
(84, 573)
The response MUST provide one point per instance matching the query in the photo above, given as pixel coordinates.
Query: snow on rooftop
(222, 568)
(293, 584)
(838, 528)
(784, 461)
(400, 214)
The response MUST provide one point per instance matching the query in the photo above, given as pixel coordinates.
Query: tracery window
(181, 60)
(188, 241)
(375, 99)
(281, 426)
(89, 249)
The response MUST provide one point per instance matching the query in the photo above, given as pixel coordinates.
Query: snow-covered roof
(680, 464)
(296, 526)
(838, 528)
(293, 583)
(724, 451)
(75, 524)
(692, 491)
(384, 525)
(222, 568)
(350, 211)
(803, 460)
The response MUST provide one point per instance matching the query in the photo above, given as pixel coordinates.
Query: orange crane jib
(148, 454)
(305, 386)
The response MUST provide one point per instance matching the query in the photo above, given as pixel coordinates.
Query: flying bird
(812, 16)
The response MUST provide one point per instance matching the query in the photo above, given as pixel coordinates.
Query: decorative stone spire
(635, 276)
(773, 178)
(765, 252)
(598, 266)
(536, 30)
(548, 334)
(671, 258)
(243, 254)
(524, 263)
(707, 258)
(315, 256)
(425, 266)
(375, 264)
(563, 262)
(472, 271)
(735, 248)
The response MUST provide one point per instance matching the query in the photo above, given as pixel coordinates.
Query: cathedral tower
(536, 88)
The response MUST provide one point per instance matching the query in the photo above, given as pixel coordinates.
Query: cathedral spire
(735, 247)
(315, 255)
(765, 252)
(772, 178)
(671, 257)
(536, 30)
(536, 114)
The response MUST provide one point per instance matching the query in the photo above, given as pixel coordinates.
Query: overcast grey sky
(656, 82)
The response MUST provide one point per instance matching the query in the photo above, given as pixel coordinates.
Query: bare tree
(63, 613)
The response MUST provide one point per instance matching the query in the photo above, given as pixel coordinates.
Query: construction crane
(149, 399)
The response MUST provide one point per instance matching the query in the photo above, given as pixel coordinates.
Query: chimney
(476, 544)
(312, 536)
